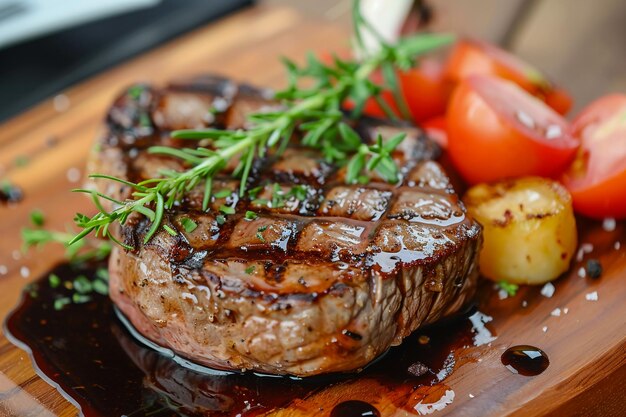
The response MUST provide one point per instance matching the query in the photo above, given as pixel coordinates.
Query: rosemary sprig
(316, 111)
(76, 252)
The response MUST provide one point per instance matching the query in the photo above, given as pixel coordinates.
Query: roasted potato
(529, 229)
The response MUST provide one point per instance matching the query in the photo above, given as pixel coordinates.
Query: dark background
(34, 70)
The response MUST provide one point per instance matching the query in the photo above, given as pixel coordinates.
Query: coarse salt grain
(503, 295)
(24, 272)
(73, 175)
(544, 329)
(582, 250)
(61, 103)
(609, 224)
(3, 269)
(548, 290)
(617, 245)
(556, 312)
(592, 296)
(524, 303)
(565, 310)
(471, 395)
(581, 272)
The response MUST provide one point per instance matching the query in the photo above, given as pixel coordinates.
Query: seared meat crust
(326, 277)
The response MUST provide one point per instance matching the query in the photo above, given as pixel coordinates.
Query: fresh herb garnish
(136, 91)
(100, 287)
(510, 289)
(54, 280)
(223, 193)
(227, 209)
(259, 233)
(37, 218)
(82, 284)
(250, 215)
(188, 224)
(78, 251)
(78, 298)
(315, 110)
(278, 196)
(220, 219)
(169, 230)
(249, 270)
(299, 192)
(60, 303)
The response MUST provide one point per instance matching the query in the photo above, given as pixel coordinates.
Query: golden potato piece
(529, 229)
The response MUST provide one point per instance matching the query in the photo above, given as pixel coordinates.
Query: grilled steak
(323, 278)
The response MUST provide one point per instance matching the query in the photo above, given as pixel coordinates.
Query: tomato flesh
(471, 57)
(425, 90)
(496, 130)
(597, 178)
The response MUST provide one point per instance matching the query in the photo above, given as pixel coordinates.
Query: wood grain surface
(586, 346)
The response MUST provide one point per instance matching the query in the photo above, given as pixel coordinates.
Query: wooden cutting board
(43, 152)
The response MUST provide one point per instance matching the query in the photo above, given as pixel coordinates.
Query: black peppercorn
(594, 268)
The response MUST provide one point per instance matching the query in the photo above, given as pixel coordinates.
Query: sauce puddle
(100, 367)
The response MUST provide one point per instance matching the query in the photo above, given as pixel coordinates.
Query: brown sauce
(354, 409)
(525, 360)
(99, 366)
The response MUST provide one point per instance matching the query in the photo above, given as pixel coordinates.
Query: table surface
(587, 346)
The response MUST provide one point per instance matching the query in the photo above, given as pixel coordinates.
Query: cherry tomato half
(471, 57)
(497, 130)
(597, 178)
(424, 88)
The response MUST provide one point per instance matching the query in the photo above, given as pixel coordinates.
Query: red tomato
(437, 130)
(597, 178)
(479, 58)
(425, 90)
(496, 130)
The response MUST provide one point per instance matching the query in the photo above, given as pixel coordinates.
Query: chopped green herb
(32, 289)
(54, 280)
(220, 219)
(100, 287)
(188, 224)
(135, 91)
(103, 274)
(21, 161)
(60, 303)
(253, 192)
(278, 196)
(37, 217)
(170, 230)
(80, 298)
(261, 202)
(250, 269)
(82, 285)
(299, 192)
(223, 193)
(227, 210)
(511, 289)
(250, 215)
(259, 234)
(144, 120)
